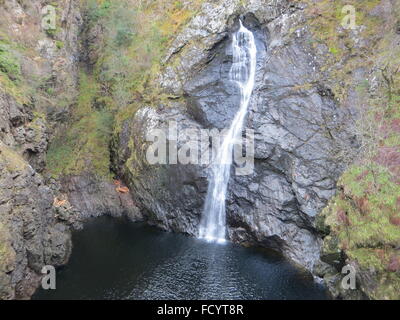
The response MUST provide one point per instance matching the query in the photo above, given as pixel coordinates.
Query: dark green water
(118, 259)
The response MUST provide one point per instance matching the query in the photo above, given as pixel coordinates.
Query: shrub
(96, 10)
(9, 63)
(84, 145)
(59, 44)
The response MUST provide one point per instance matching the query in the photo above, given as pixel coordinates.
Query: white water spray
(242, 73)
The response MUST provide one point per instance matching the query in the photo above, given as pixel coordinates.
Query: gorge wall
(39, 87)
(307, 113)
(32, 70)
(297, 124)
(76, 105)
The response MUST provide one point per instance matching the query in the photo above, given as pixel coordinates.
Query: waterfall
(242, 74)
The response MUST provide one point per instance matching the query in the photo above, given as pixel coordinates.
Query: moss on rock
(363, 217)
(84, 146)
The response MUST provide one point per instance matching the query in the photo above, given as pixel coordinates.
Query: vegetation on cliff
(10, 69)
(85, 144)
(130, 38)
(363, 219)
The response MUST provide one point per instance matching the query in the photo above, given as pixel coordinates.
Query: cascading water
(242, 73)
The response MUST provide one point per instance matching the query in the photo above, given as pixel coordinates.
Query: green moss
(9, 64)
(359, 218)
(334, 50)
(367, 258)
(12, 161)
(393, 140)
(376, 261)
(388, 287)
(320, 224)
(370, 190)
(369, 202)
(18, 91)
(11, 80)
(137, 36)
(52, 32)
(97, 9)
(325, 19)
(59, 44)
(84, 146)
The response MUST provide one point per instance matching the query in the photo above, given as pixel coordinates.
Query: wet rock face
(31, 235)
(300, 133)
(92, 197)
(171, 195)
(212, 100)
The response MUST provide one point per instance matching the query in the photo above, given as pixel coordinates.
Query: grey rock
(31, 235)
(300, 132)
(93, 197)
(28, 217)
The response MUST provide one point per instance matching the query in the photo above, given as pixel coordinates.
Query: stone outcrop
(39, 84)
(93, 197)
(32, 235)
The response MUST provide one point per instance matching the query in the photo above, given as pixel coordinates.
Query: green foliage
(361, 218)
(10, 71)
(364, 216)
(135, 43)
(367, 257)
(369, 202)
(9, 64)
(123, 30)
(50, 91)
(85, 144)
(59, 44)
(51, 32)
(97, 9)
(124, 36)
(333, 50)
(325, 19)
(377, 260)
(134, 38)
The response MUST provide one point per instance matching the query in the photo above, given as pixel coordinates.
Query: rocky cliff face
(298, 127)
(40, 85)
(325, 97)
(31, 235)
(305, 115)
(35, 67)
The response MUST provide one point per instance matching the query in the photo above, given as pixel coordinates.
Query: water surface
(118, 259)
